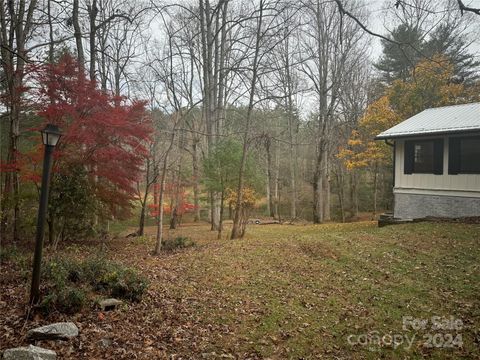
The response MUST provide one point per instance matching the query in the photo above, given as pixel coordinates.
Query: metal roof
(447, 119)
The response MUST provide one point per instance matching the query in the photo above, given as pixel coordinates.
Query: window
(464, 155)
(424, 157)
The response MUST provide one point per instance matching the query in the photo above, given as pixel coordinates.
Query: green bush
(73, 299)
(18, 258)
(8, 253)
(177, 243)
(67, 280)
(142, 240)
(129, 286)
(73, 204)
(68, 300)
(114, 279)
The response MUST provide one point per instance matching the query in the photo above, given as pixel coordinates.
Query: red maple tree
(178, 198)
(104, 134)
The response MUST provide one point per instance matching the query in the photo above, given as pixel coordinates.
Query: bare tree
(213, 31)
(118, 46)
(17, 24)
(260, 30)
(331, 42)
(286, 59)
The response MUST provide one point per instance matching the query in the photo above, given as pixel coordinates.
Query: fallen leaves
(283, 292)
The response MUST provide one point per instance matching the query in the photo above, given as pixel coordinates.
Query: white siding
(457, 185)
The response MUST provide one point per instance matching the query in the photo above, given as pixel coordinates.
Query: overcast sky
(378, 23)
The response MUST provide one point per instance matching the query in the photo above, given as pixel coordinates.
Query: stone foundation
(417, 206)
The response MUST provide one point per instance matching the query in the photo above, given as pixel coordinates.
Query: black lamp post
(50, 136)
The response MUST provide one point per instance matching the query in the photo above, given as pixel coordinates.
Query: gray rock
(105, 342)
(110, 304)
(57, 331)
(29, 353)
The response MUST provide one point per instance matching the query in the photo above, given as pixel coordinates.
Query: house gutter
(429, 134)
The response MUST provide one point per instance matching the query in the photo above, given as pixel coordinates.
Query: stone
(110, 304)
(57, 331)
(105, 342)
(29, 353)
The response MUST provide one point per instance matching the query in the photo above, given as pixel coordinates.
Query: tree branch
(343, 11)
(464, 8)
(112, 17)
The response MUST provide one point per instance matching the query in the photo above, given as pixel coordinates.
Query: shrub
(56, 273)
(8, 253)
(142, 240)
(112, 278)
(16, 257)
(97, 271)
(68, 300)
(66, 281)
(72, 300)
(129, 286)
(13, 254)
(177, 243)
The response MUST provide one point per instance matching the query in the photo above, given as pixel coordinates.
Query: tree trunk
(292, 137)
(159, 239)
(268, 192)
(103, 62)
(340, 192)
(141, 223)
(196, 179)
(271, 187)
(318, 192)
(220, 227)
(208, 101)
(375, 186)
(214, 211)
(78, 35)
(161, 192)
(276, 192)
(174, 220)
(238, 230)
(143, 201)
(92, 12)
(293, 184)
(317, 198)
(353, 195)
(326, 189)
(50, 32)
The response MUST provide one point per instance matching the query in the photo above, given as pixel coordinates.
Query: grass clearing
(298, 292)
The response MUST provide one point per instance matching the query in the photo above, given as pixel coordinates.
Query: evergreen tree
(411, 45)
(446, 40)
(398, 60)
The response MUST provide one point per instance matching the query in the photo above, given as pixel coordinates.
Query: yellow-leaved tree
(362, 150)
(249, 199)
(431, 84)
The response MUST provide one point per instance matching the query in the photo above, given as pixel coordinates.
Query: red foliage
(30, 164)
(181, 197)
(103, 133)
(8, 167)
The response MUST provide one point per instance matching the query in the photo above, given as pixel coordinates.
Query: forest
(224, 110)
(216, 186)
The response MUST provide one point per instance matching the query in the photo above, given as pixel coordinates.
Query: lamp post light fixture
(50, 136)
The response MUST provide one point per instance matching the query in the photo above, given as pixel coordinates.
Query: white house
(437, 163)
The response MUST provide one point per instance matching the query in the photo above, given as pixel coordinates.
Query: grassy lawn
(291, 292)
